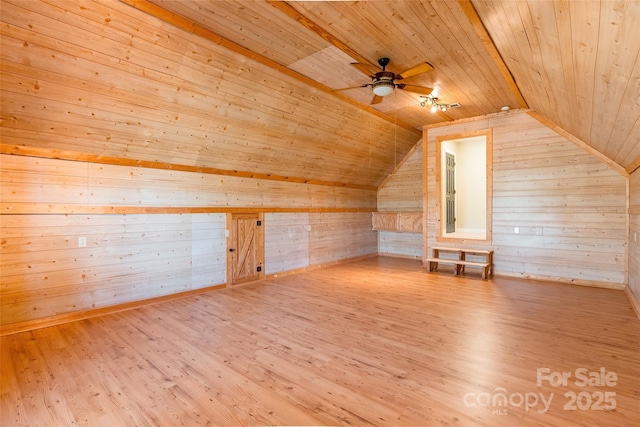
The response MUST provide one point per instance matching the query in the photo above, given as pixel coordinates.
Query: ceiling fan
(383, 82)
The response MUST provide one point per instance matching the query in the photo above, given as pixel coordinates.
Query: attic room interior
(255, 212)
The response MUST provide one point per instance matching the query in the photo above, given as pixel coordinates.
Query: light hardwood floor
(375, 342)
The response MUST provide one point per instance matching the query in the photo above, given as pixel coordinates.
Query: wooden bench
(461, 262)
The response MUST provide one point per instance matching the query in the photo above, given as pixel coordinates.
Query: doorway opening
(463, 172)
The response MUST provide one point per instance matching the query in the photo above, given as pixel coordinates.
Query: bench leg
(485, 272)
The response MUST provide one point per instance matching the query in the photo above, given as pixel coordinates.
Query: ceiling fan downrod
(383, 62)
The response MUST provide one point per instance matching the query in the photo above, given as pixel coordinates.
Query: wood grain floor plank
(374, 342)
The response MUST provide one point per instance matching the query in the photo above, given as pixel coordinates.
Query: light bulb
(383, 86)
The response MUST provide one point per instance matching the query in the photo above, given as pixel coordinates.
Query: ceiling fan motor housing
(383, 83)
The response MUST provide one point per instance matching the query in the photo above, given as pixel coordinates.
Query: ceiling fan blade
(417, 89)
(418, 69)
(376, 99)
(365, 68)
(347, 88)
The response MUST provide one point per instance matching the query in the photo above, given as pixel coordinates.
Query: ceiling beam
(487, 41)
(194, 28)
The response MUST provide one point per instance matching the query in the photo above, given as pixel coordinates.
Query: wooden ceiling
(248, 85)
(337, 34)
(576, 63)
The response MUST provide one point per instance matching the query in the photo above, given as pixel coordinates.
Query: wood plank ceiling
(247, 86)
(576, 63)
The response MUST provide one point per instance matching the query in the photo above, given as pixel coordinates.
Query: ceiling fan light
(434, 108)
(383, 88)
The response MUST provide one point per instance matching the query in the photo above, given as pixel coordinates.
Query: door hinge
(259, 223)
(259, 269)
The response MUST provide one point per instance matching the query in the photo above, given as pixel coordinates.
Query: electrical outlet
(82, 242)
(516, 230)
(538, 231)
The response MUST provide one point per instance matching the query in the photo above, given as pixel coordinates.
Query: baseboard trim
(633, 300)
(30, 325)
(318, 266)
(566, 280)
(390, 255)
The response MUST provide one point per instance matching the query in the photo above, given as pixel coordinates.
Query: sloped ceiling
(248, 85)
(408, 32)
(576, 63)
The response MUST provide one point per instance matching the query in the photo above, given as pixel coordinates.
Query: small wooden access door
(245, 248)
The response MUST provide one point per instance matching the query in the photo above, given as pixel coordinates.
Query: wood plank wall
(543, 180)
(147, 250)
(38, 185)
(634, 241)
(295, 241)
(402, 192)
(335, 237)
(286, 244)
(104, 78)
(92, 88)
(127, 258)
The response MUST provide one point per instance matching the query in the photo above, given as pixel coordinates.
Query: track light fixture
(432, 101)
